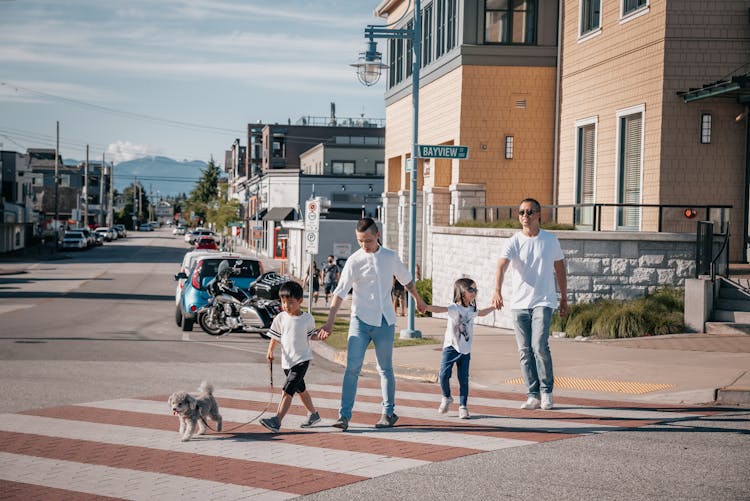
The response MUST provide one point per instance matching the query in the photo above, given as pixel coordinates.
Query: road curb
(733, 396)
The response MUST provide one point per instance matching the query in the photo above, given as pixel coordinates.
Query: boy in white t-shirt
(293, 329)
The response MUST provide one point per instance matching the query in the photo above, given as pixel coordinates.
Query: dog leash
(270, 401)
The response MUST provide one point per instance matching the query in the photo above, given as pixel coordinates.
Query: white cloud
(122, 151)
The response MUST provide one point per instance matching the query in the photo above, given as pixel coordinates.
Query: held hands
(325, 331)
(497, 300)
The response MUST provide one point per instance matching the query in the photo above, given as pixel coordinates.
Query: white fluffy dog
(194, 410)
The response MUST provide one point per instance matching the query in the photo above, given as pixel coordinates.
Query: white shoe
(531, 403)
(546, 401)
(463, 412)
(444, 403)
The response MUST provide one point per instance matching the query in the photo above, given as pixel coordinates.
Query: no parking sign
(312, 225)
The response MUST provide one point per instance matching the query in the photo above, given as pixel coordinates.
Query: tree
(205, 192)
(125, 215)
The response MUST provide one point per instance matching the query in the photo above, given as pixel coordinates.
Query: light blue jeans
(532, 337)
(360, 335)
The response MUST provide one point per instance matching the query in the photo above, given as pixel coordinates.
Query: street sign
(409, 165)
(443, 151)
(312, 225)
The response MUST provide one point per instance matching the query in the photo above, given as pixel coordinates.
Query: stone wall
(600, 264)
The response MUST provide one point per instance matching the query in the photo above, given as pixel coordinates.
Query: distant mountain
(162, 174)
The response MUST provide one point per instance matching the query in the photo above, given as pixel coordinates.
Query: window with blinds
(586, 172)
(630, 170)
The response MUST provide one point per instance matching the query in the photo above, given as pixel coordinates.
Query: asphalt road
(100, 325)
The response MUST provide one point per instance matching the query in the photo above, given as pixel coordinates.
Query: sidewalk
(676, 369)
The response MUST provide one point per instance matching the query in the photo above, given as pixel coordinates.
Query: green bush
(658, 313)
(424, 289)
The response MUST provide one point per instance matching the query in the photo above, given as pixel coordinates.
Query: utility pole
(56, 223)
(111, 211)
(86, 190)
(135, 205)
(100, 218)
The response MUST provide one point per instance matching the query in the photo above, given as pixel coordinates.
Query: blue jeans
(450, 357)
(360, 335)
(532, 336)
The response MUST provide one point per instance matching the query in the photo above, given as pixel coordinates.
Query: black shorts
(295, 378)
(329, 287)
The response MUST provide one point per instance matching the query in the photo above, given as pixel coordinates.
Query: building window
(380, 168)
(452, 36)
(510, 21)
(440, 26)
(427, 35)
(409, 50)
(630, 166)
(392, 62)
(630, 6)
(345, 167)
(508, 147)
(706, 128)
(585, 170)
(591, 16)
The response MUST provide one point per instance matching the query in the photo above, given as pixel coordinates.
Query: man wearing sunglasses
(535, 260)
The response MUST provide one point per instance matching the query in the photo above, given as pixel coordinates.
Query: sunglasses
(472, 289)
(528, 212)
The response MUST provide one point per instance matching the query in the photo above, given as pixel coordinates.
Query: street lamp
(369, 67)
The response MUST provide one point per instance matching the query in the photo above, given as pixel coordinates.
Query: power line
(121, 113)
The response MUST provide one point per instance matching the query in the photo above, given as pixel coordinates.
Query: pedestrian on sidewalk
(459, 334)
(369, 272)
(399, 295)
(536, 260)
(293, 329)
(315, 281)
(331, 274)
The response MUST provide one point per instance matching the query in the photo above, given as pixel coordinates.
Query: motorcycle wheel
(210, 327)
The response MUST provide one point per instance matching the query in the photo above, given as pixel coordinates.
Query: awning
(737, 87)
(279, 214)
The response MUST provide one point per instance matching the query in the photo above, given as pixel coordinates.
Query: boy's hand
(269, 355)
(325, 331)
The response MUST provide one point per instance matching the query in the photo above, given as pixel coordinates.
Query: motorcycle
(230, 308)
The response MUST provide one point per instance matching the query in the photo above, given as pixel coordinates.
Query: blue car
(194, 294)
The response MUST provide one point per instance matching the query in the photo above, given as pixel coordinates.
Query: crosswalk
(130, 448)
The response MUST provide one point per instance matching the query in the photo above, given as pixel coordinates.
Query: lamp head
(369, 65)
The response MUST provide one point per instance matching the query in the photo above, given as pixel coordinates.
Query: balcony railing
(672, 218)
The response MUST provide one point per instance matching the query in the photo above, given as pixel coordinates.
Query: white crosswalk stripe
(130, 448)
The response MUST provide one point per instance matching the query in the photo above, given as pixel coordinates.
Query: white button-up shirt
(370, 275)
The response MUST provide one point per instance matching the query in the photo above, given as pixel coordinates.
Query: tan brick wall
(646, 61)
(476, 106)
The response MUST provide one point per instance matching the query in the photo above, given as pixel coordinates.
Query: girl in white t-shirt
(459, 333)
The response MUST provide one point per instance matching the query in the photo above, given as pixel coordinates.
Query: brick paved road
(130, 448)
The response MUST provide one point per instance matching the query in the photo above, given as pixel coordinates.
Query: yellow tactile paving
(601, 385)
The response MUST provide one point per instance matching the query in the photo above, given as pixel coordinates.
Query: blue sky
(178, 78)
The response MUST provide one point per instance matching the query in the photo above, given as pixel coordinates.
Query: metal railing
(674, 218)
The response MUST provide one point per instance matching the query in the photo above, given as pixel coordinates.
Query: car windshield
(248, 269)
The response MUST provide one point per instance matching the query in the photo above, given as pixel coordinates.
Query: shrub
(424, 289)
(655, 314)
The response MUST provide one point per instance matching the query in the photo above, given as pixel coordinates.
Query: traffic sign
(443, 151)
(312, 225)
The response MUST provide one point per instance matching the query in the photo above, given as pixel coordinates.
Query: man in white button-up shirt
(369, 273)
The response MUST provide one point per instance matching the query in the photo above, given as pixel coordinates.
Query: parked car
(121, 231)
(145, 227)
(74, 240)
(90, 238)
(206, 243)
(108, 233)
(198, 233)
(179, 229)
(187, 264)
(194, 294)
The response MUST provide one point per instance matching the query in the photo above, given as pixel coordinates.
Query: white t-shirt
(459, 331)
(371, 274)
(532, 266)
(294, 335)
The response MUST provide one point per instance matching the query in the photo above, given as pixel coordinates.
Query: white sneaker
(444, 403)
(531, 403)
(546, 401)
(463, 412)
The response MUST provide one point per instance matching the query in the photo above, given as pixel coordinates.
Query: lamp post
(369, 67)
